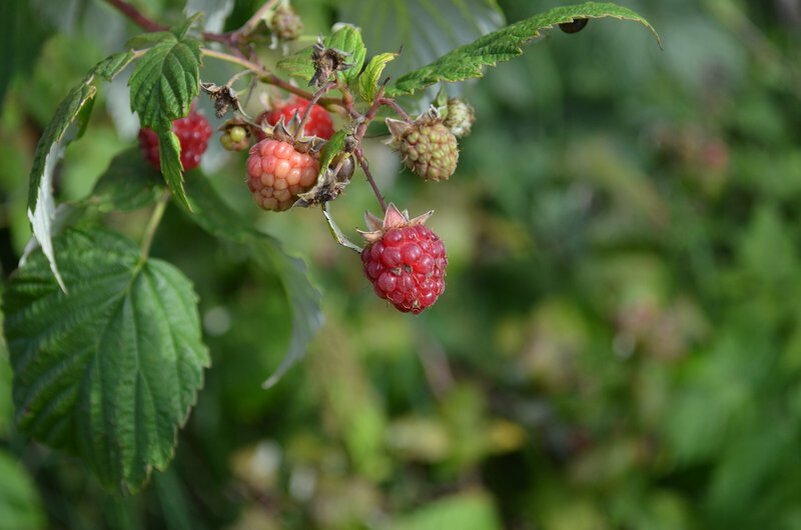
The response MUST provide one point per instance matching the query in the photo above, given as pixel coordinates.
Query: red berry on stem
(319, 123)
(404, 260)
(193, 133)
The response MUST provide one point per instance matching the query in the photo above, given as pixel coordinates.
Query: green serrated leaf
(165, 81)
(128, 184)
(83, 117)
(332, 148)
(148, 40)
(41, 205)
(180, 31)
(111, 370)
(347, 39)
(368, 80)
(109, 67)
(298, 64)
(66, 113)
(217, 218)
(468, 61)
(424, 29)
(171, 168)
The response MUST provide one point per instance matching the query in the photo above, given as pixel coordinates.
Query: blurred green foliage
(619, 345)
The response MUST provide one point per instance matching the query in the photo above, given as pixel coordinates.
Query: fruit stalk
(153, 224)
(366, 168)
(312, 102)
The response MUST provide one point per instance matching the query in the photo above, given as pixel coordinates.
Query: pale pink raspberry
(278, 173)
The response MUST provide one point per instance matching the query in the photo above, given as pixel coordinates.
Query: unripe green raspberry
(428, 148)
(238, 133)
(286, 24)
(460, 117)
(235, 138)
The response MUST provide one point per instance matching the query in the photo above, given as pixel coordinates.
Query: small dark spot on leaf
(573, 27)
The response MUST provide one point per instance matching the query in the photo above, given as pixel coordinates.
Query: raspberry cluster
(193, 133)
(405, 262)
(278, 173)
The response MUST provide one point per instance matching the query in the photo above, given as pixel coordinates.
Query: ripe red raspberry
(404, 260)
(193, 133)
(278, 173)
(319, 123)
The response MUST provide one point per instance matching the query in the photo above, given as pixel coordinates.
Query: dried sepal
(327, 61)
(224, 98)
(280, 131)
(330, 183)
(398, 129)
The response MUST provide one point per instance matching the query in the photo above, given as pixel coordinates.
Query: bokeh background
(619, 343)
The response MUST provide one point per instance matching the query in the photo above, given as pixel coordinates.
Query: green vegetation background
(619, 343)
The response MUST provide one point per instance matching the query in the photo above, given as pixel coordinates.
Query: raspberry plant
(105, 340)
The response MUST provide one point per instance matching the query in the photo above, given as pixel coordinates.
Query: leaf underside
(76, 106)
(110, 371)
(368, 81)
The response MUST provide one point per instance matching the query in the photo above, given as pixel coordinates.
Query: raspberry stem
(338, 235)
(147, 24)
(268, 77)
(394, 106)
(153, 224)
(136, 16)
(312, 102)
(366, 168)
